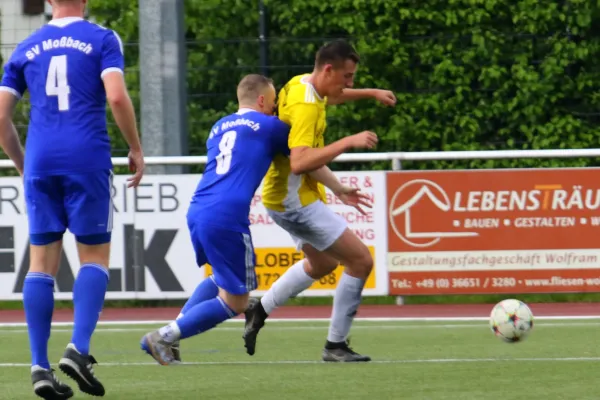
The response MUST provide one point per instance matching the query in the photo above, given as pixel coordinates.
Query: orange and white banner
(494, 231)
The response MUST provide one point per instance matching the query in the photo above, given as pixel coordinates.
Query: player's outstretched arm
(385, 97)
(9, 139)
(303, 156)
(306, 159)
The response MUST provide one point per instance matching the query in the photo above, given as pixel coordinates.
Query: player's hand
(137, 166)
(385, 97)
(363, 140)
(355, 198)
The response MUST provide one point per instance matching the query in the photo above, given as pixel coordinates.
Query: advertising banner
(494, 231)
(152, 256)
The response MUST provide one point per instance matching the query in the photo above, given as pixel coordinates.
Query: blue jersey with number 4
(62, 65)
(240, 147)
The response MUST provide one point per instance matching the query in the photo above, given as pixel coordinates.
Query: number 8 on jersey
(225, 152)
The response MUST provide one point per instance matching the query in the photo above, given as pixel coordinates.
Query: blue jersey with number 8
(62, 65)
(240, 148)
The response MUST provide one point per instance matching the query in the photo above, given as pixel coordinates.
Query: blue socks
(200, 318)
(38, 301)
(88, 299)
(206, 290)
(204, 316)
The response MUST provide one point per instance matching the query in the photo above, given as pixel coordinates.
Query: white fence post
(397, 166)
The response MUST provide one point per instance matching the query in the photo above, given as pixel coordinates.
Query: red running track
(367, 311)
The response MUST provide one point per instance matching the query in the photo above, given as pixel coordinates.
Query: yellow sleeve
(303, 121)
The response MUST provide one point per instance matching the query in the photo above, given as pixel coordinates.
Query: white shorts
(314, 224)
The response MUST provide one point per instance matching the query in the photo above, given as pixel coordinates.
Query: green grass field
(413, 360)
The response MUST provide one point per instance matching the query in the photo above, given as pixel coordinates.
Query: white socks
(346, 300)
(170, 333)
(294, 281)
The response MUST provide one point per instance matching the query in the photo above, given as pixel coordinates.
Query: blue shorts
(229, 253)
(81, 203)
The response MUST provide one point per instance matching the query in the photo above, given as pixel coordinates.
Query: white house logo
(403, 223)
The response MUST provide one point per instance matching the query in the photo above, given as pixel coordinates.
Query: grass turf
(413, 360)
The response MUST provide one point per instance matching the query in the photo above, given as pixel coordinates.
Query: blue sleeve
(13, 80)
(112, 53)
(279, 136)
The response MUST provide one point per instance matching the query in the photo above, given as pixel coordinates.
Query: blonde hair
(251, 86)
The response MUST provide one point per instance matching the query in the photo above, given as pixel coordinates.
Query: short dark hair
(335, 53)
(251, 86)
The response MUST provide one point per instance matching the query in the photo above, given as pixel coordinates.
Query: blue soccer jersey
(241, 147)
(68, 168)
(62, 65)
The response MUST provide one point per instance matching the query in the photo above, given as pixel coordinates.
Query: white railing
(395, 157)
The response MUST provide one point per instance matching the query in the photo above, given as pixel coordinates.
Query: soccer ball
(511, 320)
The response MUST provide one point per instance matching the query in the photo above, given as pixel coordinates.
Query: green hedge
(468, 74)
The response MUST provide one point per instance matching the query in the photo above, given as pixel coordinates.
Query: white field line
(311, 362)
(132, 328)
(288, 320)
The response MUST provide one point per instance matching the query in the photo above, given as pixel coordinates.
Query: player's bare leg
(296, 279)
(38, 301)
(88, 298)
(358, 263)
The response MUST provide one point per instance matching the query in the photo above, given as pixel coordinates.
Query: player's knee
(317, 270)
(238, 303)
(94, 249)
(239, 307)
(361, 265)
(45, 252)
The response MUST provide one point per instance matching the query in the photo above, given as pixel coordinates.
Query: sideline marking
(311, 362)
(287, 320)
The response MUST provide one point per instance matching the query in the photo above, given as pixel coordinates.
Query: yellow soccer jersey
(304, 110)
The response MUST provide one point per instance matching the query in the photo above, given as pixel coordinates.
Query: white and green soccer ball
(511, 320)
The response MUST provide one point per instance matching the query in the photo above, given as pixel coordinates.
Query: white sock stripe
(226, 307)
(97, 266)
(39, 275)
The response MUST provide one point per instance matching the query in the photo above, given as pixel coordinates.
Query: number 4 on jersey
(225, 148)
(56, 82)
